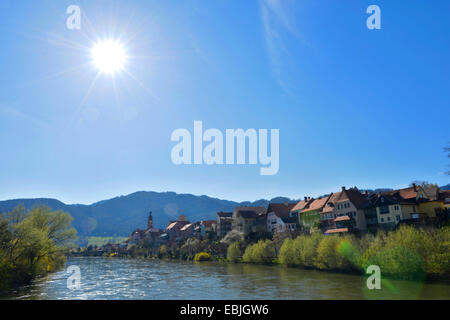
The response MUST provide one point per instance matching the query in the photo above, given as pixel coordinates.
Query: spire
(150, 221)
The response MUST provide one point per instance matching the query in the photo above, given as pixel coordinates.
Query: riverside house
(344, 211)
(187, 231)
(310, 215)
(279, 218)
(174, 227)
(249, 220)
(224, 223)
(301, 205)
(387, 209)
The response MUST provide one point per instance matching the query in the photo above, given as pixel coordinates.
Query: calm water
(106, 278)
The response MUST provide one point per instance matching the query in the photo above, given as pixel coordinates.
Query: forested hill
(121, 215)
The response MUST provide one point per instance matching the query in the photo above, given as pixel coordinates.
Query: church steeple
(150, 221)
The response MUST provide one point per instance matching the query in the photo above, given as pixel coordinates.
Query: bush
(400, 262)
(234, 252)
(202, 256)
(287, 253)
(327, 254)
(437, 262)
(305, 247)
(260, 252)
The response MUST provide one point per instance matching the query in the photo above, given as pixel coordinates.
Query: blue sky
(355, 107)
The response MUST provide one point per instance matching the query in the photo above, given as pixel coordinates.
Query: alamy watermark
(374, 281)
(74, 280)
(374, 20)
(73, 22)
(213, 152)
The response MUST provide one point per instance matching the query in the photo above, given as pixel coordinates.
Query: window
(384, 209)
(397, 218)
(382, 219)
(389, 218)
(396, 208)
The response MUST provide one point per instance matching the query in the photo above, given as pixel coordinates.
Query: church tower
(150, 221)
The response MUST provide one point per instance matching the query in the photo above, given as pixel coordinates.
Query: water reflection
(104, 278)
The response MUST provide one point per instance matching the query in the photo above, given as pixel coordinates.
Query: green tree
(234, 252)
(261, 252)
(287, 253)
(327, 253)
(32, 243)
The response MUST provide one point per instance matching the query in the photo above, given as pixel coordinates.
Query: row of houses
(175, 230)
(348, 210)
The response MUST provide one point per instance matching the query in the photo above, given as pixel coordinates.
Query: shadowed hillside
(121, 215)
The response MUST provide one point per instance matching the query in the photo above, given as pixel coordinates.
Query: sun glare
(109, 56)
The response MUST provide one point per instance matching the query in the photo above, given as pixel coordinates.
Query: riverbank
(32, 244)
(407, 253)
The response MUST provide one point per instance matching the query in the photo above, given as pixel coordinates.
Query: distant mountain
(121, 215)
(446, 187)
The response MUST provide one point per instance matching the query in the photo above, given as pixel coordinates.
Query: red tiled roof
(186, 227)
(176, 225)
(353, 195)
(280, 209)
(171, 226)
(317, 204)
(342, 218)
(336, 230)
(301, 205)
(405, 193)
(356, 197)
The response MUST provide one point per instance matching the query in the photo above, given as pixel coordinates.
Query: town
(348, 211)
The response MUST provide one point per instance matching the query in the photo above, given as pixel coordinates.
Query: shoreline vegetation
(37, 242)
(32, 244)
(407, 253)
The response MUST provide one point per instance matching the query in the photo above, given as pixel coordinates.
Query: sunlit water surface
(111, 278)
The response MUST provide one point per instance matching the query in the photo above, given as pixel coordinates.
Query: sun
(109, 56)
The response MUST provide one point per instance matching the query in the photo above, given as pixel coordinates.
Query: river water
(112, 278)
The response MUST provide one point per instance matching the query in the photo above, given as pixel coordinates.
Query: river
(112, 278)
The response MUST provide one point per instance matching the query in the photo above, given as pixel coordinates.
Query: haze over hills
(121, 215)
